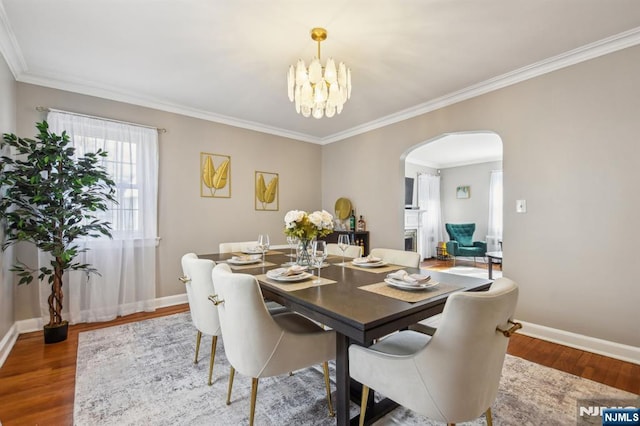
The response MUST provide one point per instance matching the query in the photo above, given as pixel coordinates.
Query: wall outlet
(521, 206)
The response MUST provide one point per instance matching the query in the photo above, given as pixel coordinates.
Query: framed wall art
(463, 192)
(267, 194)
(215, 175)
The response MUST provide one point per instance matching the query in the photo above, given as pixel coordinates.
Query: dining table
(358, 305)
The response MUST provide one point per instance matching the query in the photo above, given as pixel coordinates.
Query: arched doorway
(454, 178)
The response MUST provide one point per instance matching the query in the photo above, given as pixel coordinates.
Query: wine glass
(343, 244)
(319, 254)
(263, 244)
(293, 242)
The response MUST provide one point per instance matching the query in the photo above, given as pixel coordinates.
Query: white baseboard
(578, 341)
(7, 342)
(35, 324)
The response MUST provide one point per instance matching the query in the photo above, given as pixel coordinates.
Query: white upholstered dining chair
(260, 345)
(453, 376)
(197, 279)
(351, 251)
(397, 257)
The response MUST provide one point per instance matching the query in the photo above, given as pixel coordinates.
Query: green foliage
(50, 198)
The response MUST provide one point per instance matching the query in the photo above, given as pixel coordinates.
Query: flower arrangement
(307, 226)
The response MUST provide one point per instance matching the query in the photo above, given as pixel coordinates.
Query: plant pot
(56, 333)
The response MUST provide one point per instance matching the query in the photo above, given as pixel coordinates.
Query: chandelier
(319, 91)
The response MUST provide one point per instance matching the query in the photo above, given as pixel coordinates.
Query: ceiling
(226, 61)
(458, 149)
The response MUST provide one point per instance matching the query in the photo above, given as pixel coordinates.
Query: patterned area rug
(143, 374)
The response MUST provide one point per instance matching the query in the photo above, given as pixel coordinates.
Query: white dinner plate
(406, 286)
(290, 278)
(251, 250)
(369, 264)
(244, 262)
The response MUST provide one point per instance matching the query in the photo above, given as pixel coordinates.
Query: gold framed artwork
(463, 191)
(267, 196)
(215, 175)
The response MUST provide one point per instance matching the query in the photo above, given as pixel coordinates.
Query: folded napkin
(284, 272)
(404, 276)
(367, 259)
(247, 257)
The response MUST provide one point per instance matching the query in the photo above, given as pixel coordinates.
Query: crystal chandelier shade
(318, 91)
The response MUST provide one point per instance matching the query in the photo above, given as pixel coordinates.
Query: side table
(493, 257)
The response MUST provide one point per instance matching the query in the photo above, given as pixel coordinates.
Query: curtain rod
(47, 109)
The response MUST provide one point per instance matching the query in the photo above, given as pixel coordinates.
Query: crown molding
(9, 47)
(17, 64)
(584, 53)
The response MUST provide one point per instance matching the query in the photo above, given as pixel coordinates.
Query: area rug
(143, 373)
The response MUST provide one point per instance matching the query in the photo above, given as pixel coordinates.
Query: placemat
(379, 270)
(253, 265)
(297, 285)
(410, 296)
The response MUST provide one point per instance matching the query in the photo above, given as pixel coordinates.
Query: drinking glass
(263, 244)
(293, 243)
(319, 254)
(343, 244)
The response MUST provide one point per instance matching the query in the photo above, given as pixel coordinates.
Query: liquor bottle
(352, 221)
(361, 224)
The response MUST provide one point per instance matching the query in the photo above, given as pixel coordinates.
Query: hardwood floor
(37, 381)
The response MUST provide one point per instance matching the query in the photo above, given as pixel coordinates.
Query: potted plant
(50, 198)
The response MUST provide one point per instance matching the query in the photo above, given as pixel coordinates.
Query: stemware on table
(343, 244)
(263, 244)
(319, 254)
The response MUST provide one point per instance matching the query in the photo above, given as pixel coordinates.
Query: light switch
(521, 206)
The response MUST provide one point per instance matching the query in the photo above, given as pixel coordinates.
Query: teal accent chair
(461, 241)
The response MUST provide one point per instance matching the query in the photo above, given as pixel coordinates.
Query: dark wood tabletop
(357, 316)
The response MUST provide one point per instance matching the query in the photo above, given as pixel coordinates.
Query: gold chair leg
(363, 403)
(232, 373)
(451, 424)
(325, 367)
(214, 340)
(198, 337)
(489, 418)
(254, 394)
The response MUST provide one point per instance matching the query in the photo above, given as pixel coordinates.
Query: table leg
(490, 268)
(342, 380)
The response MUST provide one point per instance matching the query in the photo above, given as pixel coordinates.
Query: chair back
(199, 286)
(249, 332)
(237, 246)
(351, 251)
(462, 363)
(462, 233)
(410, 259)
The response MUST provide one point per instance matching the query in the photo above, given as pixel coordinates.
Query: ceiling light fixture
(319, 91)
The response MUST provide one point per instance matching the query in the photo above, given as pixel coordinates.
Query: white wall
(474, 209)
(7, 125)
(571, 150)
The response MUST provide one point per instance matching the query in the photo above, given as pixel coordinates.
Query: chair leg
(254, 394)
(489, 418)
(363, 403)
(232, 373)
(325, 367)
(198, 337)
(214, 340)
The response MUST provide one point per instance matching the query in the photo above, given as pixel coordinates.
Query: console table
(358, 238)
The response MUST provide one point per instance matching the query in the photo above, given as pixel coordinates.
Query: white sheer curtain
(432, 229)
(495, 211)
(126, 263)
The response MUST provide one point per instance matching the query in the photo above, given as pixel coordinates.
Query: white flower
(327, 219)
(316, 219)
(292, 217)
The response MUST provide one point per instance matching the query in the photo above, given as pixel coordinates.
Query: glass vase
(303, 253)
